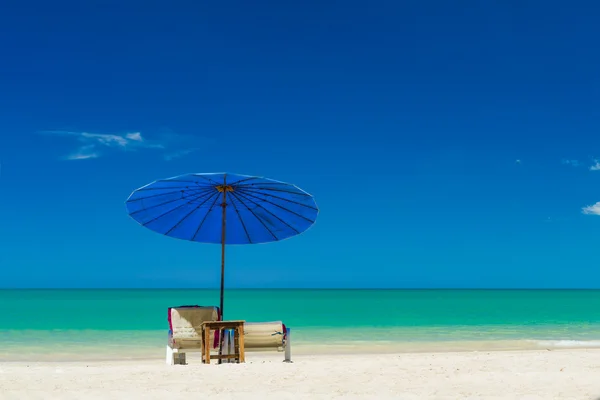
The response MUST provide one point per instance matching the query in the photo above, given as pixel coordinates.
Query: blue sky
(445, 146)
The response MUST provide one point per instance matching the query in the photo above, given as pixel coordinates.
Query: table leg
(242, 349)
(236, 344)
(206, 345)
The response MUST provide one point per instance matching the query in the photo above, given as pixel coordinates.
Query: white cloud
(81, 156)
(84, 153)
(137, 136)
(592, 210)
(596, 166)
(95, 143)
(105, 139)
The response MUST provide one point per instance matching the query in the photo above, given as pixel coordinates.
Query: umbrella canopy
(223, 208)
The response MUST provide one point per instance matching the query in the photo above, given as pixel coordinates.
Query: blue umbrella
(223, 208)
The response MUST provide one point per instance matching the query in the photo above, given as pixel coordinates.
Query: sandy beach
(532, 374)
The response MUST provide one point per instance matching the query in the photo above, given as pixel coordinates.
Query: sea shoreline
(117, 353)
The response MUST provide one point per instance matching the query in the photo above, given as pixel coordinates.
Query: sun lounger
(185, 334)
(266, 336)
(185, 331)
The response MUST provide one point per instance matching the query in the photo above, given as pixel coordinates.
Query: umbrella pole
(223, 226)
(223, 254)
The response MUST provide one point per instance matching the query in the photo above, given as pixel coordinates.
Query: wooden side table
(238, 340)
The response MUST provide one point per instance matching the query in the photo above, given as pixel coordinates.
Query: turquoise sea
(56, 324)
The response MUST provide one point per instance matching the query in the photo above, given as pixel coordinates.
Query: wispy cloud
(573, 163)
(592, 210)
(94, 145)
(136, 136)
(84, 153)
(596, 166)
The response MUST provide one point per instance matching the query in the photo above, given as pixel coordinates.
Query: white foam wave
(569, 343)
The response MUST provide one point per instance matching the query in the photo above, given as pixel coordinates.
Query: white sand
(534, 374)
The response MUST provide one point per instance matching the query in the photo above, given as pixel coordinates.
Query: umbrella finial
(224, 188)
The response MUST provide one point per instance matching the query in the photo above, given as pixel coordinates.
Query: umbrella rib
(278, 190)
(257, 217)
(208, 179)
(236, 184)
(279, 206)
(206, 215)
(265, 183)
(280, 220)
(164, 188)
(248, 191)
(240, 218)
(190, 213)
(173, 209)
(204, 185)
(170, 201)
(157, 195)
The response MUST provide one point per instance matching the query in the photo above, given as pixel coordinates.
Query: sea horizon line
(301, 288)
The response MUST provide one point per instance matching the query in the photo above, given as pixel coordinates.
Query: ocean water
(133, 323)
